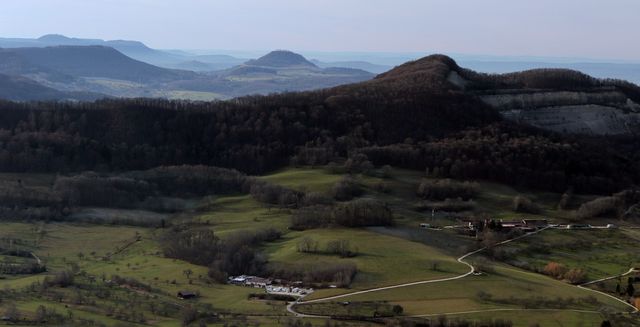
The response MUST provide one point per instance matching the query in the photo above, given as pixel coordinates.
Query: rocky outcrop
(604, 111)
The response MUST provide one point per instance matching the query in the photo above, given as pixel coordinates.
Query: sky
(599, 29)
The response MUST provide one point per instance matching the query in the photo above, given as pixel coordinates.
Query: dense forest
(411, 117)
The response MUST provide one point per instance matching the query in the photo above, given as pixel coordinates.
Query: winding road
(291, 305)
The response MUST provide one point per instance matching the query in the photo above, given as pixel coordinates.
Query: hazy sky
(568, 28)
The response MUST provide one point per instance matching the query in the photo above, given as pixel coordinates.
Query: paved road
(291, 305)
(631, 271)
(36, 257)
(499, 310)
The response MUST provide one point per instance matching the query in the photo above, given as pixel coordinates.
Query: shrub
(12, 313)
(307, 245)
(188, 315)
(195, 246)
(599, 207)
(575, 276)
(316, 198)
(565, 199)
(358, 213)
(363, 212)
(555, 270)
(340, 274)
(311, 217)
(61, 279)
(346, 189)
(341, 248)
(274, 194)
(523, 204)
(359, 163)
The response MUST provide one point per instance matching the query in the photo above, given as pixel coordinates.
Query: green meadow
(384, 256)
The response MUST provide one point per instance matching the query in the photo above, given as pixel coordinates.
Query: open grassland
(506, 287)
(384, 256)
(381, 260)
(233, 213)
(527, 318)
(600, 253)
(314, 180)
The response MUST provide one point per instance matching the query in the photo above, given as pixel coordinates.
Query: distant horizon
(545, 28)
(408, 55)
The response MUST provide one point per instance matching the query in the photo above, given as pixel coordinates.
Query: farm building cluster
(525, 225)
(271, 286)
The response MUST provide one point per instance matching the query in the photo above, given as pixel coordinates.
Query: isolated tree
(631, 290)
(12, 313)
(524, 204)
(188, 315)
(575, 276)
(307, 245)
(564, 200)
(340, 247)
(41, 314)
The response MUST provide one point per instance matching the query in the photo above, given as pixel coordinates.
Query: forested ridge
(411, 117)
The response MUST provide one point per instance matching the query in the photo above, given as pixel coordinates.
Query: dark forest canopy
(410, 117)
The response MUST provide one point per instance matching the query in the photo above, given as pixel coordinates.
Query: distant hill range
(169, 59)
(100, 69)
(277, 71)
(362, 65)
(18, 88)
(281, 58)
(55, 67)
(89, 61)
(133, 49)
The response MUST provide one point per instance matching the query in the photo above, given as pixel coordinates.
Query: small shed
(185, 295)
(536, 223)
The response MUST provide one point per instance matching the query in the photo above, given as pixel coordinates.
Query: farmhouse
(238, 280)
(251, 281)
(257, 282)
(185, 295)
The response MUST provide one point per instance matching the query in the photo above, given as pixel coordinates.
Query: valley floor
(122, 277)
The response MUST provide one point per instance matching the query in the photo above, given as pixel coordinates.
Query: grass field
(381, 260)
(505, 288)
(527, 318)
(601, 253)
(385, 256)
(232, 213)
(314, 180)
